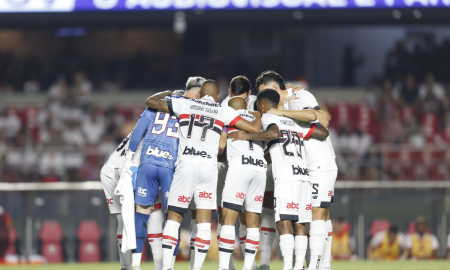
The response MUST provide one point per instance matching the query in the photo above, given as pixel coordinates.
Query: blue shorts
(150, 177)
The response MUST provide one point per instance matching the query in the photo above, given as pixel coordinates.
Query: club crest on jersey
(252, 161)
(142, 192)
(296, 170)
(192, 152)
(158, 153)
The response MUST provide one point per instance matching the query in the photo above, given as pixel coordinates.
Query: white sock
(267, 234)
(202, 243)
(219, 230)
(226, 246)
(251, 247)
(287, 250)
(125, 258)
(318, 233)
(169, 242)
(301, 245)
(173, 262)
(193, 235)
(326, 262)
(242, 237)
(136, 259)
(154, 235)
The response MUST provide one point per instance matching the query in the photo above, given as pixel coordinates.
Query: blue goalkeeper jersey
(160, 145)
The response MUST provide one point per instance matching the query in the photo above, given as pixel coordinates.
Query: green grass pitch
(275, 265)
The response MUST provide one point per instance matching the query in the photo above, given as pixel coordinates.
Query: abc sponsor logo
(330, 193)
(192, 152)
(110, 201)
(240, 195)
(296, 170)
(158, 153)
(308, 207)
(142, 192)
(292, 205)
(259, 198)
(205, 195)
(253, 161)
(184, 199)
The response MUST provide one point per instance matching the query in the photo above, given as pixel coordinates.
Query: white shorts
(244, 185)
(322, 187)
(269, 182)
(193, 180)
(109, 183)
(223, 170)
(293, 201)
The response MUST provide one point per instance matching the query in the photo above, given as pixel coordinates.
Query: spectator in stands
(31, 87)
(343, 244)
(10, 123)
(59, 90)
(430, 86)
(51, 165)
(83, 89)
(421, 244)
(386, 245)
(409, 92)
(393, 131)
(93, 126)
(72, 135)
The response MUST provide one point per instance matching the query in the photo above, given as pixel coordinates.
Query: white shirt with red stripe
(201, 122)
(288, 152)
(245, 154)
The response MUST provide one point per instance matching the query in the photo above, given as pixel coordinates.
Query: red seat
(89, 236)
(437, 172)
(379, 225)
(51, 235)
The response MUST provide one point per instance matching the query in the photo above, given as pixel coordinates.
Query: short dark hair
(240, 85)
(393, 229)
(270, 76)
(269, 95)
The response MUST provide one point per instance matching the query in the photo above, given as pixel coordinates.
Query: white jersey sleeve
(267, 120)
(175, 105)
(434, 242)
(231, 116)
(377, 239)
(307, 98)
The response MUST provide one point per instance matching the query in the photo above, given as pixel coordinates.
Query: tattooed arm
(155, 102)
(272, 133)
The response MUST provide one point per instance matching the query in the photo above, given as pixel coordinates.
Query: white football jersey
(311, 102)
(117, 158)
(287, 153)
(319, 154)
(247, 154)
(251, 102)
(201, 124)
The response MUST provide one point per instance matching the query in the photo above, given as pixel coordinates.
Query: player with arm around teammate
(244, 185)
(292, 187)
(321, 162)
(201, 124)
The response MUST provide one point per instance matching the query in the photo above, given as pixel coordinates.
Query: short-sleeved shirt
(245, 154)
(319, 154)
(288, 151)
(251, 102)
(379, 237)
(409, 241)
(201, 122)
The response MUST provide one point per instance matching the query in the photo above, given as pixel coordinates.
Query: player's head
(237, 103)
(193, 86)
(210, 88)
(421, 224)
(240, 86)
(392, 233)
(270, 79)
(267, 99)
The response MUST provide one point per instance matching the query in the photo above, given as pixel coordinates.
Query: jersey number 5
(160, 125)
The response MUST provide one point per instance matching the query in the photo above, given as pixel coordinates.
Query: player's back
(161, 140)
(287, 152)
(249, 154)
(201, 124)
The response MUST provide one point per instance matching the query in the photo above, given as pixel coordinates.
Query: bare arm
(155, 102)
(322, 117)
(300, 115)
(222, 142)
(320, 134)
(272, 133)
(245, 125)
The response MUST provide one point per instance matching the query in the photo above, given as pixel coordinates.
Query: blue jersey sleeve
(138, 132)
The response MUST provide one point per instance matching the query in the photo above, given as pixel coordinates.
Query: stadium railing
(359, 202)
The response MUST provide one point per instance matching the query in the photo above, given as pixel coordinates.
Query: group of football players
(265, 160)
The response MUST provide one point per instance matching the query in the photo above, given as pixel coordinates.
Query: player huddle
(264, 159)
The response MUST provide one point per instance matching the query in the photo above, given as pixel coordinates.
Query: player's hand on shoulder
(290, 99)
(276, 111)
(238, 135)
(255, 114)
